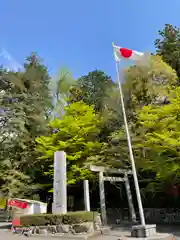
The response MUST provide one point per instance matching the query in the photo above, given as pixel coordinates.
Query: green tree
(61, 90)
(76, 133)
(112, 114)
(168, 46)
(159, 144)
(37, 103)
(95, 88)
(12, 131)
(146, 84)
(25, 102)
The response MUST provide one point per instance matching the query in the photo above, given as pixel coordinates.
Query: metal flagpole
(141, 212)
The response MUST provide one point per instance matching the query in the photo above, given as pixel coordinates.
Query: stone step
(3, 216)
(3, 219)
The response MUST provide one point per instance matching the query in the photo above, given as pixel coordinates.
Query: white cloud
(8, 61)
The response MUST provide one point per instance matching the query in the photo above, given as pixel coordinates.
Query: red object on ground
(16, 222)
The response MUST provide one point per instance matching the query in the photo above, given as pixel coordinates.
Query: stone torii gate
(102, 178)
(60, 186)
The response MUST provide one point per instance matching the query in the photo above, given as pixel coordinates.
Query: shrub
(56, 219)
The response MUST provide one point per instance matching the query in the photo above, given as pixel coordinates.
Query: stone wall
(163, 215)
(58, 230)
(85, 228)
(152, 215)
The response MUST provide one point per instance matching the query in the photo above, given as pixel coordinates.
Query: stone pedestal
(140, 231)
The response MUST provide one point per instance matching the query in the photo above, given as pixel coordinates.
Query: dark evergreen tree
(95, 88)
(168, 46)
(25, 101)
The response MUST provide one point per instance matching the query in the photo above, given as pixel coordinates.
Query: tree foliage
(25, 102)
(76, 134)
(146, 84)
(160, 140)
(112, 112)
(61, 88)
(13, 130)
(95, 88)
(168, 46)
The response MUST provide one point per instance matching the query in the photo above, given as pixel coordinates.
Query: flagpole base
(140, 231)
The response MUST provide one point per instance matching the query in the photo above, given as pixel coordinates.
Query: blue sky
(78, 33)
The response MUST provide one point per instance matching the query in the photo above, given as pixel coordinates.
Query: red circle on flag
(126, 53)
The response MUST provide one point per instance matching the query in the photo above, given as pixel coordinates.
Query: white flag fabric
(127, 54)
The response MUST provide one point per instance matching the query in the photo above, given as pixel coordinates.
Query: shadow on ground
(174, 229)
(124, 226)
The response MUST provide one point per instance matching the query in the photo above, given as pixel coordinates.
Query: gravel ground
(5, 234)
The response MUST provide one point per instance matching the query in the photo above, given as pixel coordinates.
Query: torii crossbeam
(101, 170)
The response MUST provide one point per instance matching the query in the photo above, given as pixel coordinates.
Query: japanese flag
(127, 54)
